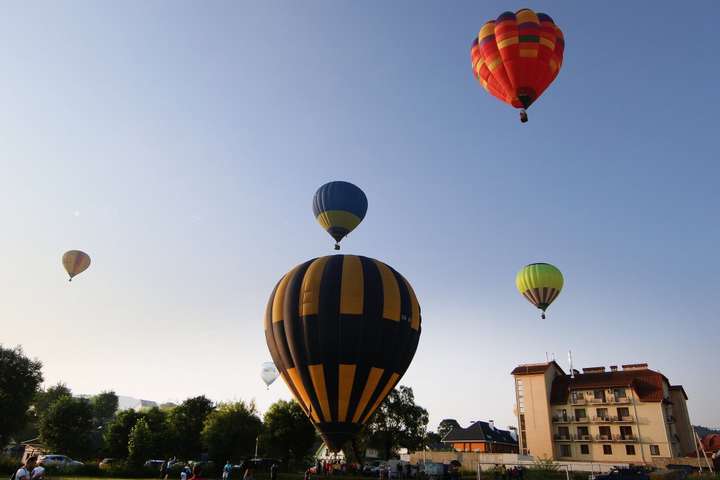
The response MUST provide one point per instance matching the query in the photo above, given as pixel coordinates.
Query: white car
(58, 461)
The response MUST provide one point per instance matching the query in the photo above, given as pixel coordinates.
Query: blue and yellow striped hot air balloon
(339, 207)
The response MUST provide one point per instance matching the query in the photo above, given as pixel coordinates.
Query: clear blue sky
(180, 143)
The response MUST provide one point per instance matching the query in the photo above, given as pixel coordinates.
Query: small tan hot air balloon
(75, 262)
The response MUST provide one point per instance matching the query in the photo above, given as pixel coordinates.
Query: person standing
(227, 470)
(38, 473)
(273, 471)
(23, 473)
(196, 473)
(249, 473)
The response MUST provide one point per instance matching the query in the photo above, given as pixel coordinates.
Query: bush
(8, 465)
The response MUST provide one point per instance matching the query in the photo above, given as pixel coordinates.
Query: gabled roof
(535, 368)
(479, 432)
(648, 384)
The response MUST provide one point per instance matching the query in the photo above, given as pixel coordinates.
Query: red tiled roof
(533, 368)
(648, 384)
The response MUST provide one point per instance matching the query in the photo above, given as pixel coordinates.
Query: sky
(180, 143)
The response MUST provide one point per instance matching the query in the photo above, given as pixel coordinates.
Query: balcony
(619, 400)
(561, 419)
(625, 438)
(578, 401)
(583, 438)
(626, 418)
(562, 437)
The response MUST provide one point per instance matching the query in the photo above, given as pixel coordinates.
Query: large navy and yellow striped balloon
(339, 207)
(342, 330)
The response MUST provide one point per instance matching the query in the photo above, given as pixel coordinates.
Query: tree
(117, 433)
(288, 434)
(397, 422)
(20, 378)
(446, 425)
(45, 398)
(186, 423)
(104, 406)
(67, 427)
(140, 443)
(230, 431)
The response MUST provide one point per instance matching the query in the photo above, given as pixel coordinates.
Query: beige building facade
(629, 415)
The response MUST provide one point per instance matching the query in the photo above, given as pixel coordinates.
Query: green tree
(104, 406)
(140, 443)
(45, 398)
(446, 425)
(230, 431)
(186, 422)
(20, 378)
(67, 427)
(398, 422)
(288, 434)
(117, 433)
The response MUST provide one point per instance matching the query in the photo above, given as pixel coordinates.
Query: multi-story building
(481, 437)
(617, 416)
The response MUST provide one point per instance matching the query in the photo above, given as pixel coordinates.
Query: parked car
(107, 463)
(630, 473)
(55, 460)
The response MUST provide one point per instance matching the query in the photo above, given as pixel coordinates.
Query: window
(607, 449)
(580, 413)
(564, 432)
(602, 413)
(604, 433)
(565, 450)
(583, 431)
(654, 450)
(626, 432)
(623, 412)
(620, 393)
(585, 449)
(630, 449)
(599, 395)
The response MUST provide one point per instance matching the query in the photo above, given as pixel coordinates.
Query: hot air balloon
(540, 283)
(516, 57)
(342, 330)
(268, 373)
(339, 207)
(75, 262)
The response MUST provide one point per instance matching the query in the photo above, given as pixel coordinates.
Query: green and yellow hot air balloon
(540, 283)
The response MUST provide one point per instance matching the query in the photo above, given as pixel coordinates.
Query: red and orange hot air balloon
(517, 56)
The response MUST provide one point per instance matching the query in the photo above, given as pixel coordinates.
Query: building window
(620, 393)
(602, 413)
(563, 433)
(654, 450)
(630, 449)
(604, 433)
(580, 413)
(565, 450)
(607, 449)
(585, 449)
(626, 432)
(583, 432)
(623, 412)
(599, 395)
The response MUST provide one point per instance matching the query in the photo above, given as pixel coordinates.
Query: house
(481, 437)
(629, 415)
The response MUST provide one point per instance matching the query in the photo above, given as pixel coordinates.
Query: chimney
(594, 370)
(635, 366)
(613, 368)
(492, 424)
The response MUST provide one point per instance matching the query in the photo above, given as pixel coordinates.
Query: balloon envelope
(517, 56)
(269, 373)
(339, 207)
(75, 262)
(342, 330)
(540, 284)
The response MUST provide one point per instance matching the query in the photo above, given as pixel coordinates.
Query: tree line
(93, 427)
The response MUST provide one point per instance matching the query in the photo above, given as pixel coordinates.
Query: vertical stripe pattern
(517, 56)
(540, 284)
(342, 330)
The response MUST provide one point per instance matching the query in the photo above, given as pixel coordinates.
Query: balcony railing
(589, 400)
(626, 418)
(603, 438)
(584, 438)
(561, 419)
(562, 437)
(625, 438)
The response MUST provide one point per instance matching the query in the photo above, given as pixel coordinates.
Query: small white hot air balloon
(269, 373)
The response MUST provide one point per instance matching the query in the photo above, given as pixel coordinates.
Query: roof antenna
(553, 356)
(547, 359)
(572, 372)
